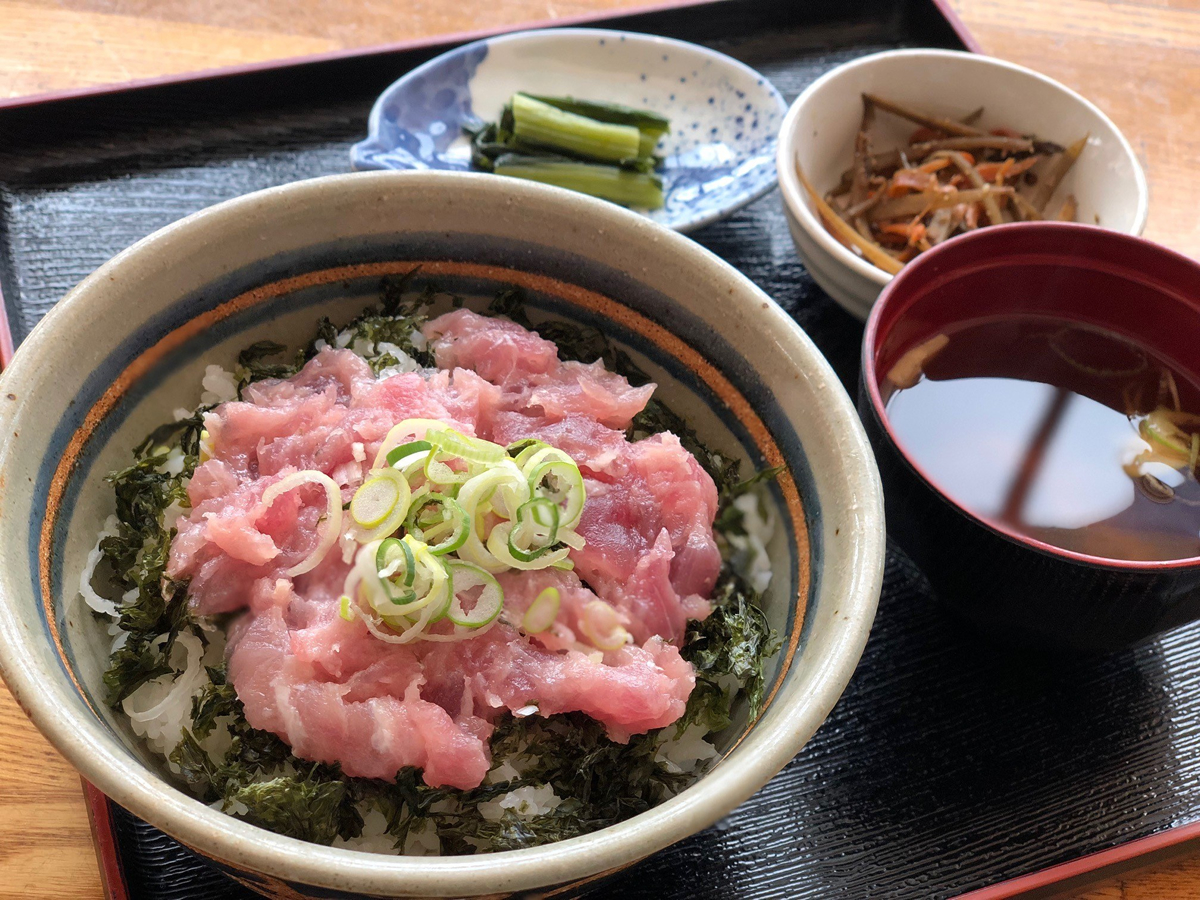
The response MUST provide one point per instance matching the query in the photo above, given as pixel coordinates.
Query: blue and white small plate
(720, 154)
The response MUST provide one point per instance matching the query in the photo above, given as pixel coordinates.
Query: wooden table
(1139, 60)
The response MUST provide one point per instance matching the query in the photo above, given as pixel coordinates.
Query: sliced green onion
(439, 521)
(501, 489)
(572, 539)
(375, 499)
(431, 583)
(535, 530)
(498, 544)
(398, 453)
(555, 475)
(413, 464)
(602, 626)
(521, 450)
(473, 450)
(395, 558)
(403, 433)
(438, 470)
(331, 522)
(382, 499)
(488, 603)
(542, 611)
(345, 609)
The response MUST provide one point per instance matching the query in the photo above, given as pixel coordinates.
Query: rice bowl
(102, 371)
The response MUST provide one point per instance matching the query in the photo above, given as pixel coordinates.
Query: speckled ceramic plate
(130, 343)
(724, 115)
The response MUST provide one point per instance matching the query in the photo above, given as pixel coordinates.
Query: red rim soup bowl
(1014, 586)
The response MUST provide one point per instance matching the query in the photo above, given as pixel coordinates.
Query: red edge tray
(1056, 879)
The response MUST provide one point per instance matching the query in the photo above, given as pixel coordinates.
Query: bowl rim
(1051, 232)
(793, 195)
(685, 224)
(93, 749)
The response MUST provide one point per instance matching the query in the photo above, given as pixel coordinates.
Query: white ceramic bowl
(819, 129)
(130, 343)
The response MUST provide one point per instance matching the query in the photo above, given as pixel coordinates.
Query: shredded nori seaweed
(601, 782)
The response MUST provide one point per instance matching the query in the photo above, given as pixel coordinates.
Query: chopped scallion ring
(398, 453)
(403, 433)
(602, 626)
(439, 521)
(474, 450)
(331, 522)
(542, 612)
(380, 504)
(488, 602)
(561, 481)
(374, 500)
(395, 559)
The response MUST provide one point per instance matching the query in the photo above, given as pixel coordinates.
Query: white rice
(752, 560)
(160, 709)
(219, 386)
(528, 801)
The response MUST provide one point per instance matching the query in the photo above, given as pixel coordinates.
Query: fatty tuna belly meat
(649, 545)
(230, 540)
(629, 691)
(339, 370)
(470, 402)
(588, 389)
(369, 725)
(404, 396)
(499, 350)
(593, 446)
(312, 402)
(528, 368)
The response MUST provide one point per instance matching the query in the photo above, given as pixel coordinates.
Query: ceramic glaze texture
(724, 116)
(101, 370)
(818, 134)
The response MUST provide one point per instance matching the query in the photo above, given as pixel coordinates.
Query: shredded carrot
(952, 176)
(1011, 167)
(934, 165)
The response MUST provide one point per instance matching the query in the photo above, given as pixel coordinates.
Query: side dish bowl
(130, 343)
(819, 129)
(719, 154)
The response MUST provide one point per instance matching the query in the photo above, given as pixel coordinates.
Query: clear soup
(1069, 434)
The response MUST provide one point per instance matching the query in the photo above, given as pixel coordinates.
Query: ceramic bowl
(720, 153)
(130, 343)
(1011, 585)
(818, 133)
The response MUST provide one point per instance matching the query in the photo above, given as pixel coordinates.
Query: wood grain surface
(1139, 60)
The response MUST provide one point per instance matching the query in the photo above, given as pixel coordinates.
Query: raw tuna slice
(373, 723)
(654, 517)
(336, 693)
(528, 368)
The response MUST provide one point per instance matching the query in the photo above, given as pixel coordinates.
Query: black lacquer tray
(946, 767)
